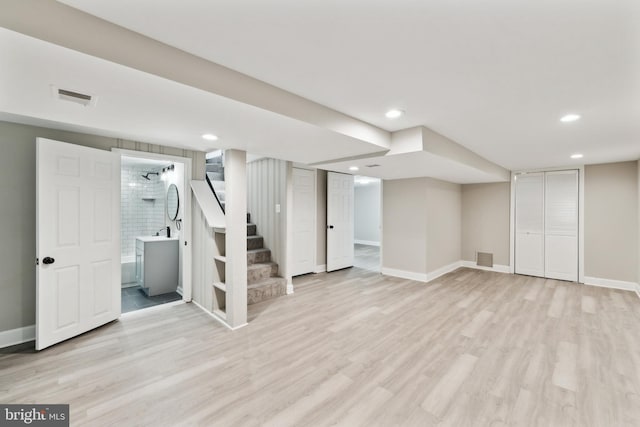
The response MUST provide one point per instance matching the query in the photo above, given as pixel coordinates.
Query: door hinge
(37, 261)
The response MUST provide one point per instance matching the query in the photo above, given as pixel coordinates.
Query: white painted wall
(367, 212)
(143, 209)
(267, 188)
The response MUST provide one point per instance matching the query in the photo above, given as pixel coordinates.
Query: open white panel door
(561, 225)
(77, 240)
(340, 225)
(304, 224)
(529, 229)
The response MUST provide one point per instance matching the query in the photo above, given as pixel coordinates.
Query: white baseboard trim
(320, 268)
(443, 270)
(403, 274)
(17, 336)
(612, 284)
(638, 290)
(421, 277)
(289, 288)
(366, 242)
(497, 268)
(220, 320)
(152, 308)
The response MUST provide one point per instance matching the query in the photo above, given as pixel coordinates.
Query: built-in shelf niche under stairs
(263, 281)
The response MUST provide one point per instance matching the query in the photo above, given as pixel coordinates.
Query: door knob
(331, 226)
(48, 260)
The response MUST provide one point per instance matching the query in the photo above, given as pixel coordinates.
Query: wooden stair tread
(259, 265)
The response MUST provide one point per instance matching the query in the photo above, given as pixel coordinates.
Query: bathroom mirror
(173, 202)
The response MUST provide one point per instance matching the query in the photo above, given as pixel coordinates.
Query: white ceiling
(495, 76)
(415, 165)
(139, 106)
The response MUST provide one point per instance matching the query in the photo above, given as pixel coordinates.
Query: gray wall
(444, 208)
(485, 221)
(611, 221)
(404, 225)
(421, 229)
(367, 212)
(17, 210)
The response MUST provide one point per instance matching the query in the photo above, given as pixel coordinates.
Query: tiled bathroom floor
(135, 299)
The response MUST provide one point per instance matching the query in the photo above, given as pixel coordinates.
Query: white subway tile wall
(143, 206)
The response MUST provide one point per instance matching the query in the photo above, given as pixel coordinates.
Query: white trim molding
(443, 270)
(411, 275)
(366, 242)
(421, 277)
(217, 318)
(321, 268)
(638, 289)
(17, 336)
(497, 268)
(612, 284)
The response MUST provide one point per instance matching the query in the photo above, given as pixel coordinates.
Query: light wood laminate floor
(472, 348)
(366, 257)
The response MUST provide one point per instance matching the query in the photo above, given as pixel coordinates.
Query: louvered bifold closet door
(529, 204)
(561, 225)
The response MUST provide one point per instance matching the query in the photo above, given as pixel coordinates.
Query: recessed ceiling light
(394, 114)
(353, 168)
(209, 137)
(570, 118)
(576, 156)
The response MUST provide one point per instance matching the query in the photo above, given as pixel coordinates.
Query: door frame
(315, 210)
(187, 265)
(512, 217)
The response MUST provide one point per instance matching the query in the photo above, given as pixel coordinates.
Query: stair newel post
(236, 237)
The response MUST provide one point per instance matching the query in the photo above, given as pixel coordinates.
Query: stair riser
(275, 290)
(252, 230)
(261, 256)
(256, 242)
(255, 275)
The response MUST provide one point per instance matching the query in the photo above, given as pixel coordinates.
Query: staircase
(215, 176)
(263, 281)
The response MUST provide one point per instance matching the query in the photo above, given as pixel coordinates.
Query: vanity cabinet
(157, 262)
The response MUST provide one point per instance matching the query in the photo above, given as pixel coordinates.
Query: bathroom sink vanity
(157, 264)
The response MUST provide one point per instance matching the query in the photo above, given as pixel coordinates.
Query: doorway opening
(367, 222)
(154, 225)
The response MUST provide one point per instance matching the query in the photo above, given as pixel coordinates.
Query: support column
(236, 236)
(288, 229)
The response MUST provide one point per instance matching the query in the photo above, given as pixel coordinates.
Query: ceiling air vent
(372, 166)
(72, 96)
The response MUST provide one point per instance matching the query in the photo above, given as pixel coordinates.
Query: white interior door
(304, 221)
(529, 227)
(77, 240)
(339, 221)
(561, 225)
